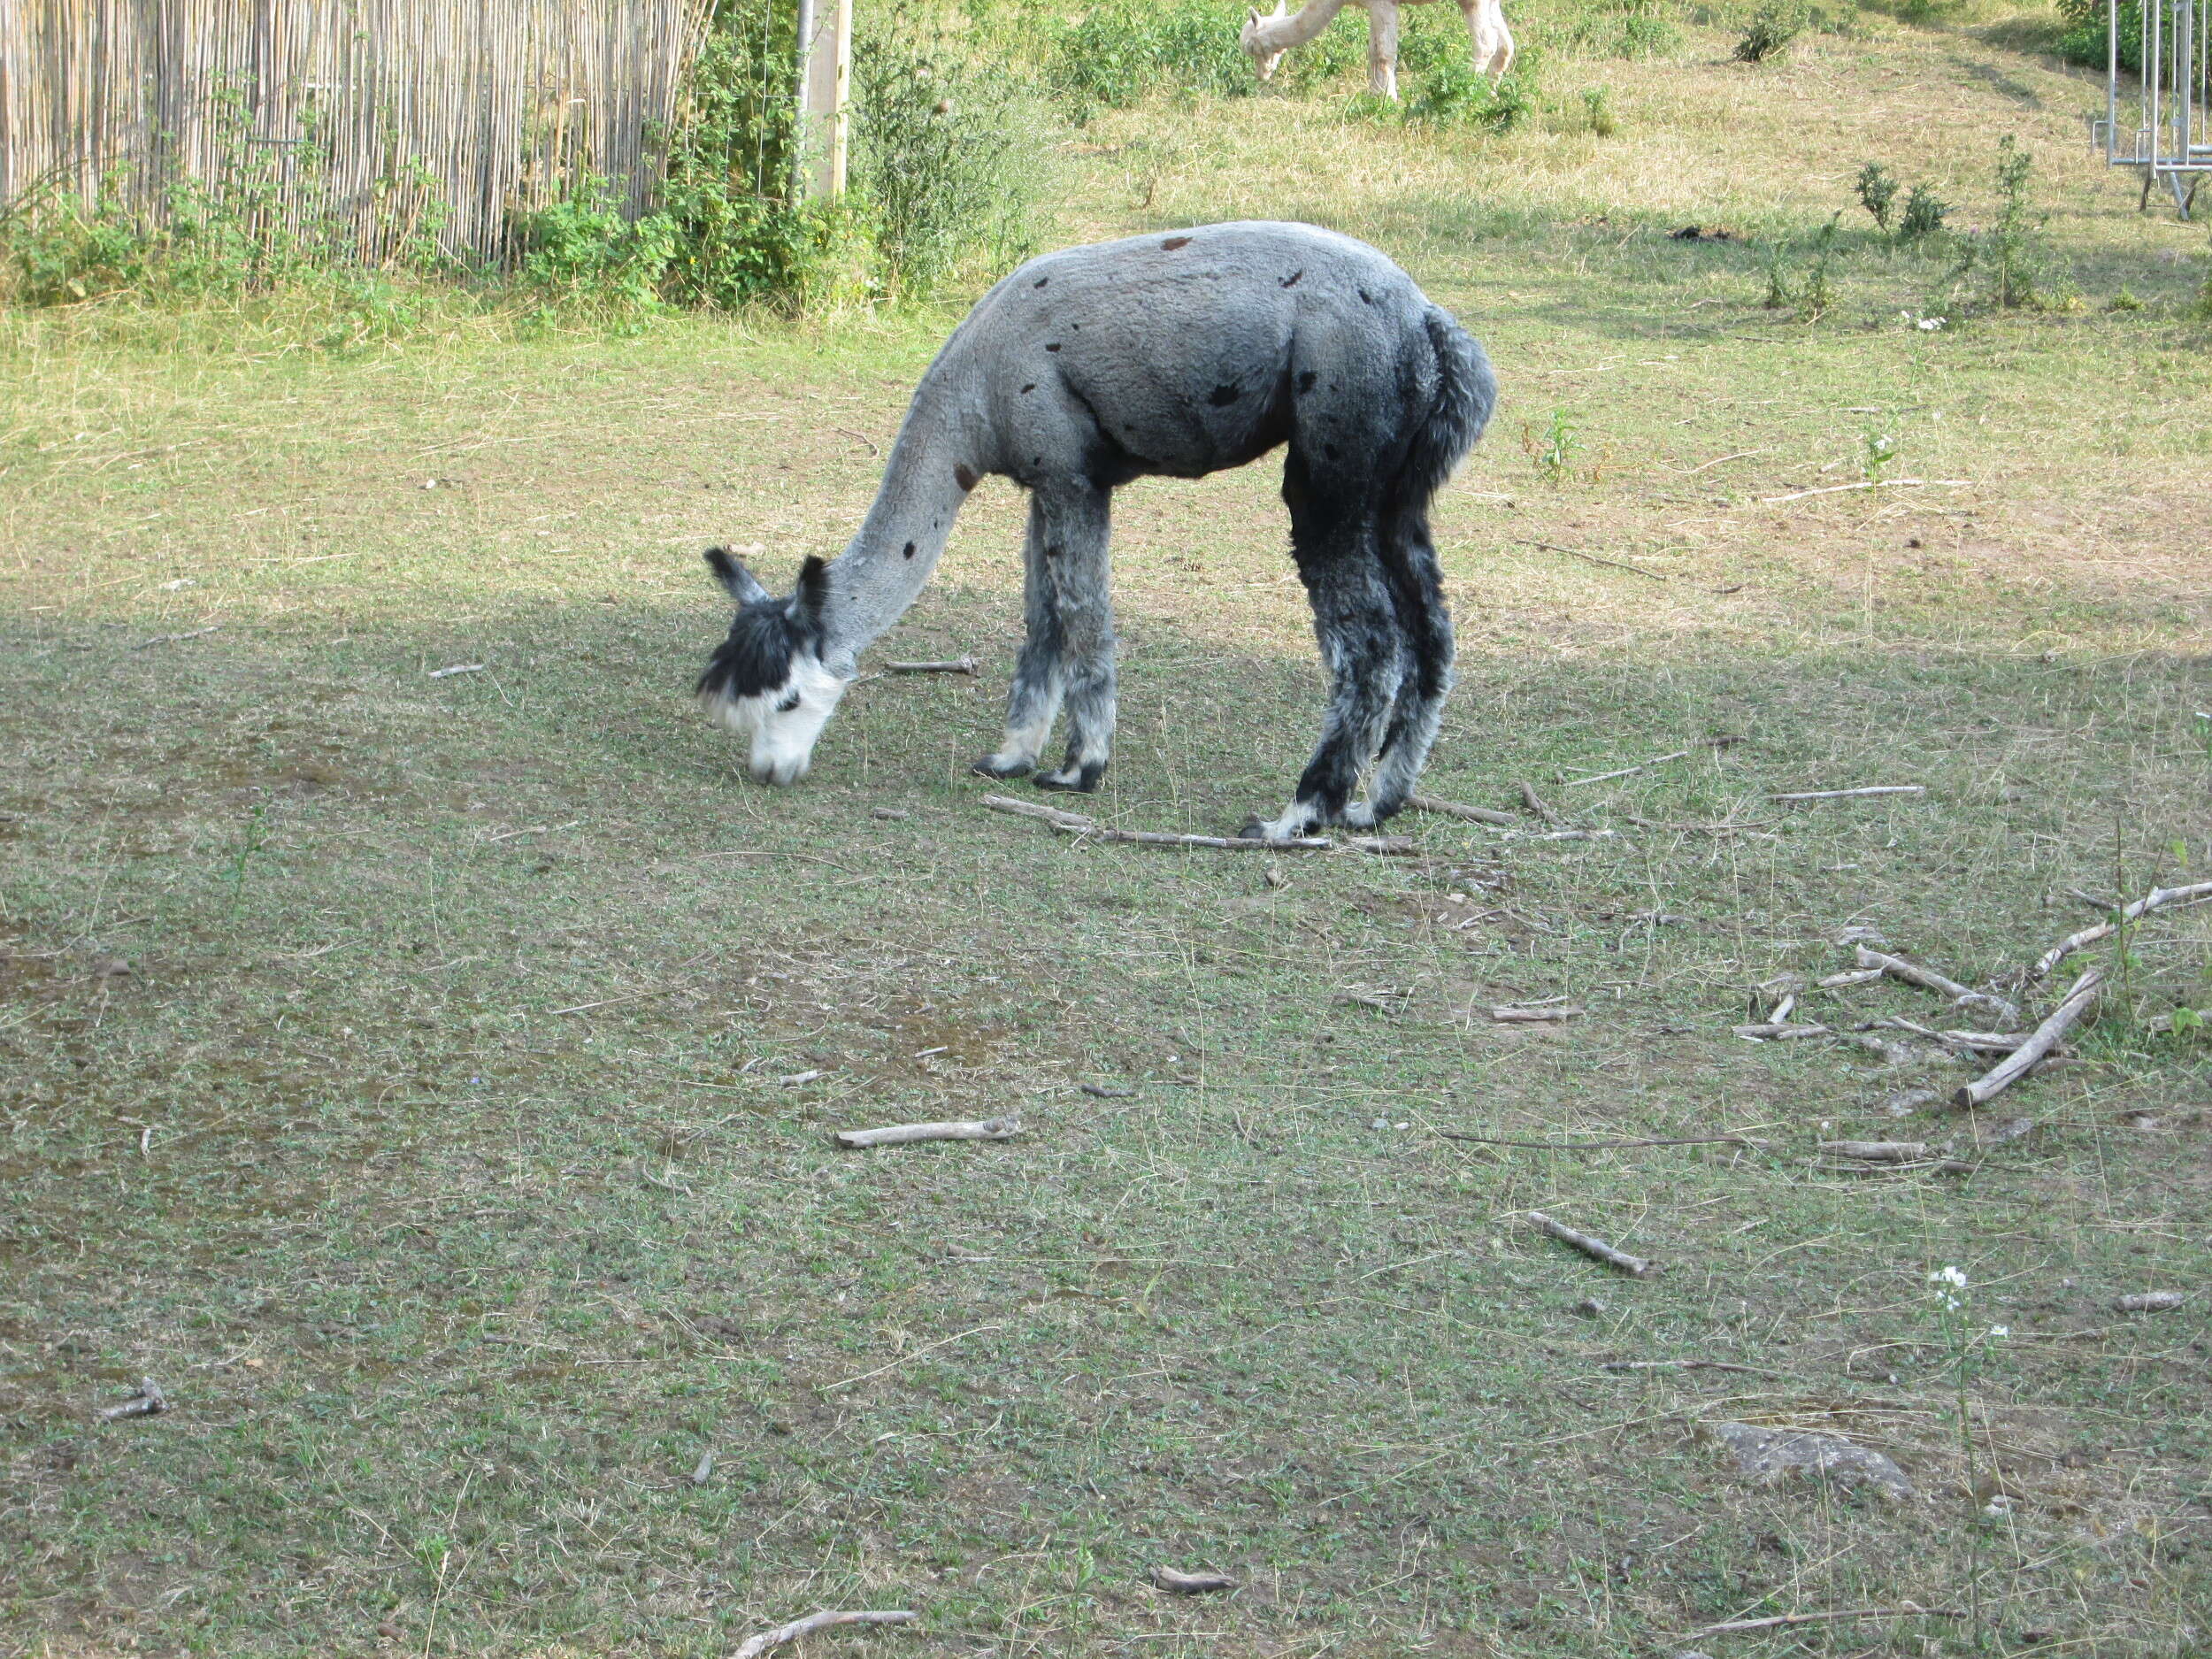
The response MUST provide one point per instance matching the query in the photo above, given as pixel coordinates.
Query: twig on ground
(1849, 977)
(1660, 760)
(149, 1402)
(1453, 808)
(1847, 795)
(1594, 559)
(1928, 979)
(1774, 1031)
(957, 666)
(2094, 901)
(1876, 1151)
(1782, 1620)
(1106, 1091)
(457, 668)
(1871, 483)
(703, 1470)
(2045, 1038)
(890, 814)
(2156, 899)
(2150, 1301)
(1511, 1014)
(1690, 1365)
(170, 638)
(1536, 804)
(1634, 1266)
(1191, 1583)
(906, 1134)
(768, 1640)
(1076, 823)
(1750, 1142)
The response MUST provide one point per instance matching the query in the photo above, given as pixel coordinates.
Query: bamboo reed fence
(382, 123)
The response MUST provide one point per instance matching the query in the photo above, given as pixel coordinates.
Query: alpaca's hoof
(1254, 830)
(1071, 781)
(991, 766)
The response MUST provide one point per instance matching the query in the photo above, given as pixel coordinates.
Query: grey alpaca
(1176, 355)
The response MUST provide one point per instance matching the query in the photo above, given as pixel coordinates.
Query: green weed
(1877, 190)
(1772, 27)
(1924, 215)
(1597, 105)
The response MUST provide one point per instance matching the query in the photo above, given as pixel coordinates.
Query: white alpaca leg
(1382, 48)
(1492, 40)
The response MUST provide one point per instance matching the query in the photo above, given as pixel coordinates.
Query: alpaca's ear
(1281, 9)
(811, 601)
(736, 581)
(1251, 17)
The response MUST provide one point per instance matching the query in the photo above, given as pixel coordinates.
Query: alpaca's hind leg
(1361, 641)
(1493, 40)
(1417, 590)
(1382, 48)
(1040, 675)
(1076, 550)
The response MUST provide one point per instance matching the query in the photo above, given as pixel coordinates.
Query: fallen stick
(1876, 1151)
(1634, 1266)
(149, 1402)
(1191, 1583)
(1076, 823)
(1782, 1620)
(1872, 483)
(1773, 1030)
(959, 665)
(906, 1134)
(1577, 553)
(768, 1640)
(1106, 1091)
(2045, 1038)
(457, 668)
(1888, 1052)
(1517, 1016)
(170, 638)
(1453, 808)
(1749, 1141)
(2156, 899)
(1690, 1365)
(1928, 1166)
(1535, 803)
(1626, 772)
(703, 1470)
(1849, 977)
(1847, 795)
(1929, 979)
(2149, 1301)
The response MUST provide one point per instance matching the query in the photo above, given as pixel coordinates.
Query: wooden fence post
(826, 87)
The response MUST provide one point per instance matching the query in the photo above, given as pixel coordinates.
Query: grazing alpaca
(1265, 39)
(1179, 356)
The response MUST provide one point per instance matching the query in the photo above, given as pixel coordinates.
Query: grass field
(429, 1080)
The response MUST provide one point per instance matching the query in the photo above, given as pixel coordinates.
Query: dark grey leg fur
(1075, 550)
(1040, 678)
(1417, 587)
(1070, 651)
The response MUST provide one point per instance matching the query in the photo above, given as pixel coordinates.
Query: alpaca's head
(1263, 57)
(767, 681)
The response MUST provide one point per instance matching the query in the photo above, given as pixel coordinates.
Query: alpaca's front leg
(1039, 677)
(1076, 553)
(1382, 48)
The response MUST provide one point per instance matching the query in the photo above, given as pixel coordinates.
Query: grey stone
(1769, 1454)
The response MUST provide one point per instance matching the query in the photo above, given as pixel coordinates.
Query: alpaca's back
(1187, 352)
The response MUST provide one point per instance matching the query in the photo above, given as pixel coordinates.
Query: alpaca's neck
(884, 568)
(1276, 34)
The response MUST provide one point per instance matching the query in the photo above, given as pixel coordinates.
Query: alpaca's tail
(1466, 391)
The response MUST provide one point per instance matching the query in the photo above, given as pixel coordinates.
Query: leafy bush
(1643, 35)
(1454, 94)
(1120, 51)
(1773, 26)
(73, 247)
(1924, 211)
(1597, 102)
(1877, 192)
(2082, 39)
(2020, 270)
(945, 158)
(583, 246)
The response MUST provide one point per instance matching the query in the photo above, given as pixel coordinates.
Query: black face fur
(765, 634)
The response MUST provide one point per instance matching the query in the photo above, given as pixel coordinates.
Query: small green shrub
(1644, 34)
(67, 249)
(1772, 27)
(946, 160)
(1454, 95)
(583, 246)
(1924, 215)
(1120, 51)
(1877, 191)
(1597, 103)
(1553, 450)
(1813, 297)
(2019, 269)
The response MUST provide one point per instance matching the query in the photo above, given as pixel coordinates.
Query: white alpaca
(1265, 39)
